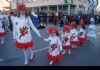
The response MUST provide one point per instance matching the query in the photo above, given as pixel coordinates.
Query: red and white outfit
(54, 53)
(2, 31)
(74, 35)
(22, 34)
(82, 33)
(66, 38)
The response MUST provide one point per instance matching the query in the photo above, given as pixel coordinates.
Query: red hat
(21, 6)
(81, 23)
(73, 24)
(52, 29)
(65, 28)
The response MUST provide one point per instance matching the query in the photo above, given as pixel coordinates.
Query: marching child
(74, 35)
(66, 40)
(2, 29)
(22, 33)
(82, 32)
(55, 49)
(92, 30)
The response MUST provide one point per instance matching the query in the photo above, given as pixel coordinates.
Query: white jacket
(74, 33)
(22, 29)
(68, 36)
(54, 40)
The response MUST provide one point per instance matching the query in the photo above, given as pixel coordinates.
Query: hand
(41, 37)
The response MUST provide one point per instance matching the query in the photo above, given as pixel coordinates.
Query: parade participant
(2, 28)
(74, 35)
(66, 40)
(82, 32)
(55, 50)
(22, 33)
(92, 30)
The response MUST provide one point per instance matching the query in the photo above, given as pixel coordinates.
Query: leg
(64, 52)
(69, 52)
(31, 54)
(2, 40)
(26, 53)
(51, 63)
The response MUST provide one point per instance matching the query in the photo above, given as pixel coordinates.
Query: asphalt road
(86, 55)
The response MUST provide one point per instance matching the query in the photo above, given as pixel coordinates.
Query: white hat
(92, 19)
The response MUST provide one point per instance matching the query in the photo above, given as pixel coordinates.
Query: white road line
(14, 57)
(98, 33)
(1, 60)
(41, 50)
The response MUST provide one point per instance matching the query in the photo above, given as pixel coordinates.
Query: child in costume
(54, 53)
(74, 35)
(2, 29)
(22, 33)
(66, 40)
(92, 29)
(82, 32)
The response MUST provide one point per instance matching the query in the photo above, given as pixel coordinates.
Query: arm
(33, 27)
(48, 39)
(60, 44)
(14, 31)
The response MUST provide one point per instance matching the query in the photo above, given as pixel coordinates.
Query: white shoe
(69, 52)
(51, 63)
(64, 52)
(2, 43)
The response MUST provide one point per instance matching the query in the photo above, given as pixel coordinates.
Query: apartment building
(68, 6)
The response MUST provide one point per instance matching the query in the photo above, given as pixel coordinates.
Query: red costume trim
(76, 42)
(24, 45)
(67, 47)
(3, 34)
(83, 39)
(54, 58)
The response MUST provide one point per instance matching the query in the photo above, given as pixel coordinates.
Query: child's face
(53, 34)
(65, 31)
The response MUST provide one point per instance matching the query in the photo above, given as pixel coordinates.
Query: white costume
(55, 49)
(83, 32)
(92, 31)
(2, 31)
(74, 34)
(67, 35)
(22, 33)
(74, 37)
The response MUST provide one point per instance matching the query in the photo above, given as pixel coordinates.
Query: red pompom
(52, 29)
(21, 6)
(73, 24)
(65, 28)
(81, 23)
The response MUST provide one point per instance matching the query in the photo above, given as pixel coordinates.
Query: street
(86, 55)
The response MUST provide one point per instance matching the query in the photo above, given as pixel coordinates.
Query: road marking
(40, 50)
(1, 60)
(14, 57)
(98, 33)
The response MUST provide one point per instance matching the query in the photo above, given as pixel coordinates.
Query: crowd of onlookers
(42, 18)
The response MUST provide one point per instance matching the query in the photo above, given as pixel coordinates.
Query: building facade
(4, 5)
(67, 6)
(98, 7)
